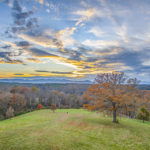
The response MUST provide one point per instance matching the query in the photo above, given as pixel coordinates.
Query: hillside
(77, 130)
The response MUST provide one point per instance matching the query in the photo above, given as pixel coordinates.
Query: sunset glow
(75, 38)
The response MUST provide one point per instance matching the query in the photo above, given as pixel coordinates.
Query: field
(77, 130)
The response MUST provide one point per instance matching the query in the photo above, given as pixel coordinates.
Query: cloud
(41, 71)
(12, 53)
(122, 32)
(40, 53)
(100, 43)
(65, 36)
(22, 20)
(108, 12)
(106, 51)
(96, 31)
(18, 14)
(34, 60)
(59, 72)
(146, 62)
(48, 10)
(9, 61)
(117, 17)
(6, 47)
(10, 58)
(131, 60)
(19, 74)
(23, 44)
(42, 40)
(10, 45)
(73, 54)
(60, 39)
(54, 72)
(86, 14)
(111, 39)
(118, 67)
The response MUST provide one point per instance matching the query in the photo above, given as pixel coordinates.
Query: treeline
(111, 93)
(21, 99)
(68, 88)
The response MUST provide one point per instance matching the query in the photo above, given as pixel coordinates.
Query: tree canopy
(112, 91)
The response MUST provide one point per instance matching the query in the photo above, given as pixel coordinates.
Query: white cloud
(122, 32)
(96, 31)
(39, 40)
(146, 63)
(87, 14)
(48, 10)
(65, 36)
(100, 43)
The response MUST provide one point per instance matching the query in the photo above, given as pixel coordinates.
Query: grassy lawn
(77, 130)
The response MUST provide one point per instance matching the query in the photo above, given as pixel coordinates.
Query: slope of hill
(75, 130)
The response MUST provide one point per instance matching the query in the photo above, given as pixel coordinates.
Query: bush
(53, 107)
(143, 114)
(40, 106)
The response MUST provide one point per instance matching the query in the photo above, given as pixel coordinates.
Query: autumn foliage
(114, 92)
(40, 106)
(53, 107)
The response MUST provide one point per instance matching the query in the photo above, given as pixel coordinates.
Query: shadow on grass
(124, 124)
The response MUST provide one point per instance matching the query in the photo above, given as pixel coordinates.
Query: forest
(111, 93)
(22, 99)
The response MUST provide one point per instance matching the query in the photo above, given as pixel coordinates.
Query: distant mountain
(144, 86)
(56, 80)
(44, 80)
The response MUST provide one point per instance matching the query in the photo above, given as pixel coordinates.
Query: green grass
(78, 130)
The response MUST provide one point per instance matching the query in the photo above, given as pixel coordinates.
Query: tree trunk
(114, 116)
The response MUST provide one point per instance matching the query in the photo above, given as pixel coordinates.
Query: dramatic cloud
(74, 38)
(100, 43)
(42, 40)
(54, 72)
(40, 53)
(23, 44)
(23, 20)
(34, 60)
(9, 58)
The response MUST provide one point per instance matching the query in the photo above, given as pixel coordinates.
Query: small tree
(10, 112)
(40, 106)
(53, 107)
(143, 114)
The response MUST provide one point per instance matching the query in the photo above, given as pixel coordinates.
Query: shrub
(53, 107)
(40, 106)
(143, 114)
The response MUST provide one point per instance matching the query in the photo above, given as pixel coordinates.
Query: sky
(74, 38)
